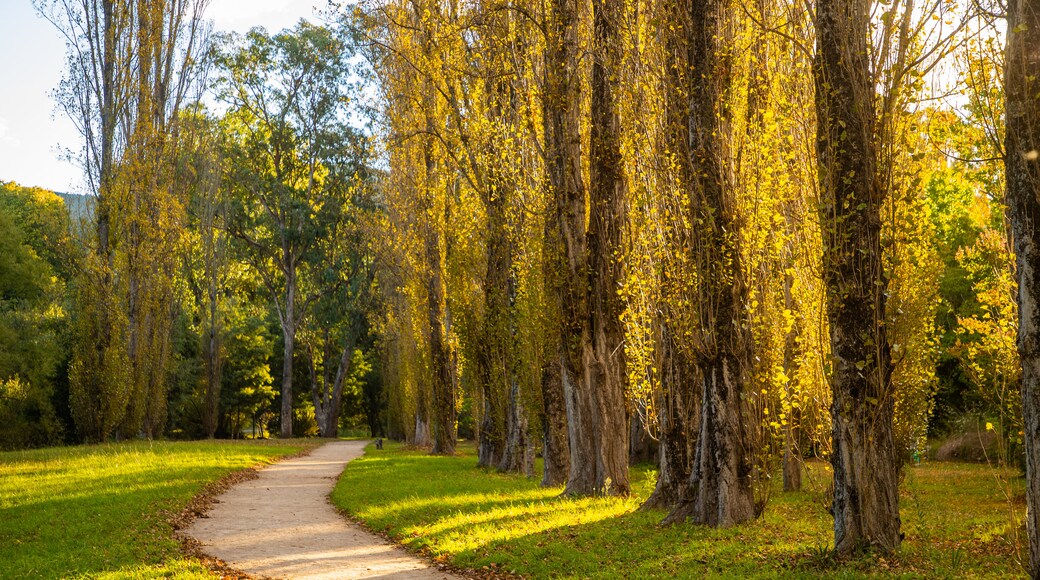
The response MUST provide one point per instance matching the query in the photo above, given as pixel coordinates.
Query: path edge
(202, 502)
(422, 553)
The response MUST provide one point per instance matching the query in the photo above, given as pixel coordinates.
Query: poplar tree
(720, 491)
(1022, 171)
(866, 490)
(130, 69)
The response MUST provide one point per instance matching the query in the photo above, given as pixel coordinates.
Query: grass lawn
(100, 511)
(955, 517)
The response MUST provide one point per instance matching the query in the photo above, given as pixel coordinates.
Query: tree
(207, 265)
(866, 495)
(603, 421)
(561, 93)
(580, 271)
(566, 243)
(33, 224)
(1022, 170)
(720, 491)
(293, 159)
(131, 65)
(338, 321)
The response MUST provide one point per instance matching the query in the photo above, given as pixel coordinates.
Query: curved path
(282, 525)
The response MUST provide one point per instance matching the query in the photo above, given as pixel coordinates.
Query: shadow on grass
(473, 518)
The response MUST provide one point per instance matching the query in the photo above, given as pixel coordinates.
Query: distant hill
(81, 207)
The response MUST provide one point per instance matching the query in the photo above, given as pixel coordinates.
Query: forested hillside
(80, 206)
(726, 237)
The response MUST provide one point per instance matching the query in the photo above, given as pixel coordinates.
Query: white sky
(32, 60)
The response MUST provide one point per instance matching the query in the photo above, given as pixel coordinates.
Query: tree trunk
(327, 394)
(567, 246)
(494, 359)
(443, 385)
(597, 421)
(1022, 166)
(519, 450)
(866, 494)
(792, 462)
(289, 345)
(720, 491)
(555, 447)
(491, 436)
(108, 130)
(678, 425)
(443, 424)
(560, 86)
(641, 447)
(422, 431)
(213, 362)
(680, 392)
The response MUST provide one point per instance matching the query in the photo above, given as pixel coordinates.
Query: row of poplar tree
(752, 231)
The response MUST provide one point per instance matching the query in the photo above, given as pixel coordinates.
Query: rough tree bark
(519, 449)
(289, 345)
(491, 433)
(1022, 167)
(555, 446)
(441, 364)
(720, 492)
(496, 359)
(565, 259)
(442, 368)
(866, 494)
(597, 418)
(493, 360)
(562, 170)
(678, 426)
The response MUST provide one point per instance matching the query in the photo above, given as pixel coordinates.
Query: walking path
(282, 525)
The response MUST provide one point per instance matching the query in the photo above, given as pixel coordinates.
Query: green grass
(955, 517)
(102, 510)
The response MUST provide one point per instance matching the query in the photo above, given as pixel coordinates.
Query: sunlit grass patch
(102, 510)
(955, 517)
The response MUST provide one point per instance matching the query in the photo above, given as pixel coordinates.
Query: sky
(33, 132)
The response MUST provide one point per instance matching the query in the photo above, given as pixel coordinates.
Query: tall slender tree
(561, 95)
(1022, 170)
(866, 494)
(131, 65)
(600, 423)
(720, 491)
(569, 266)
(677, 424)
